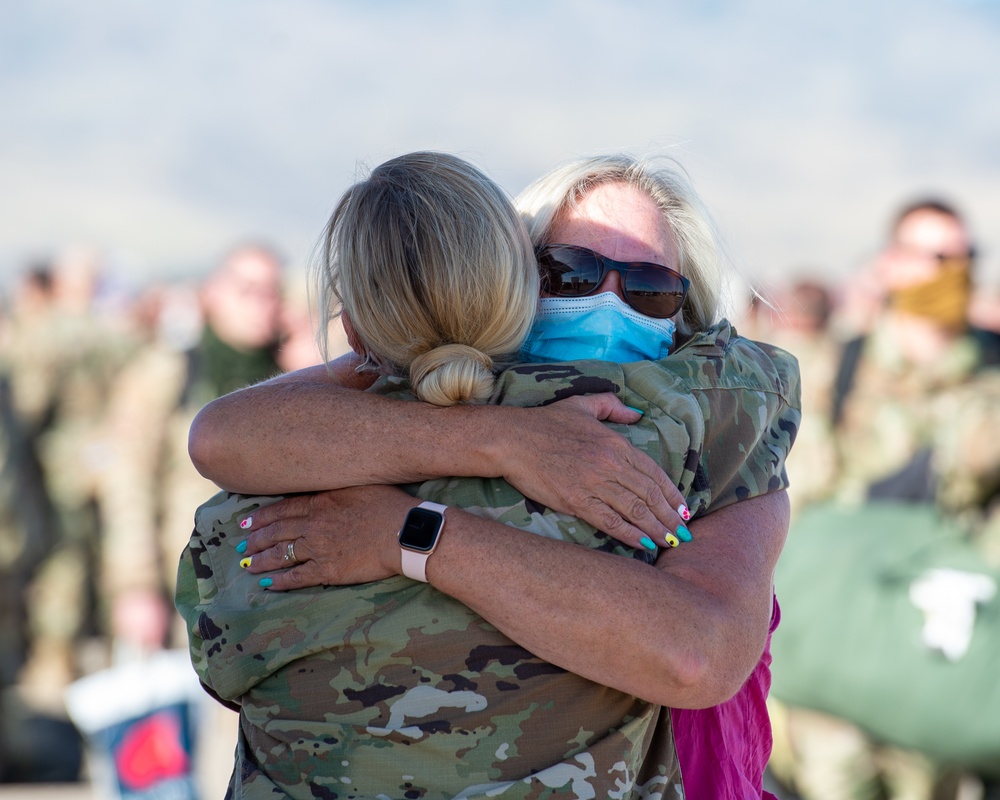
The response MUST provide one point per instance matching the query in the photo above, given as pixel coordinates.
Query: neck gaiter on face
(943, 299)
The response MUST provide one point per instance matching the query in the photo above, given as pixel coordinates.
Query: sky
(165, 133)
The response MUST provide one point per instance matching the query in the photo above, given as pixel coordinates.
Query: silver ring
(290, 552)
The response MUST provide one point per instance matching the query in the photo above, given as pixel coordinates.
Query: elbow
(709, 672)
(205, 446)
(714, 688)
(703, 682)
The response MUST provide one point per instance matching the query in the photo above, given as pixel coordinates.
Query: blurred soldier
(63, 357)
(921, 347)
(916, 409)
(27, 524)
(152, 489)
(59, 360)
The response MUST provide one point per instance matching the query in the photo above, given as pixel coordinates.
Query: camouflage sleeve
(191, 603)
(205, 592)
(752, 419)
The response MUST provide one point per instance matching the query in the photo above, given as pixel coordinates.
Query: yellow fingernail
(672, 540)
(245, 562)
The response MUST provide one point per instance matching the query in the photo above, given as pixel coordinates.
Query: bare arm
(311, 431)
(684, 633)
(293, 433)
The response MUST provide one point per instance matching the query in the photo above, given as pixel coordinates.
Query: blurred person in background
(21, 545)
(24, 537)
(921, 344)
(59, 360)
(797, 317)
(915, 414)
(151, 484)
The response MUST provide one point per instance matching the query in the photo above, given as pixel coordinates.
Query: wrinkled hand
(568, 461)
(339, 537)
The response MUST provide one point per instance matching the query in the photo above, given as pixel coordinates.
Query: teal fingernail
(265, 582)
(646, 542)
(241, 547)
(683, 533)
(636, 410)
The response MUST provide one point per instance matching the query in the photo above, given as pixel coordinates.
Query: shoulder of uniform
(754, 364)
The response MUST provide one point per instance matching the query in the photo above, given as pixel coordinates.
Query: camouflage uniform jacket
(393, 689)
(925, 433)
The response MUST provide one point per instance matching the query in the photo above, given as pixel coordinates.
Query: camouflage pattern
(150, 483)
(148, 460)
(949, 409)
(61, 365)
(392, 689)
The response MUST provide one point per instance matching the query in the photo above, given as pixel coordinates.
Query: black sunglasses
(651, 289)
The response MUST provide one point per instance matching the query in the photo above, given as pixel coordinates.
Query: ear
(352, 335)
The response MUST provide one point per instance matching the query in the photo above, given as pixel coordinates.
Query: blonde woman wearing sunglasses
(680, 627)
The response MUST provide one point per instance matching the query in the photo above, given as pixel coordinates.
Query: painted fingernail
(646, 542)
(683, 533)
(242, 547)
(682, 510)
(246, 523)
(246, 562)
(265, 582)
(671, 540)
(636, 410)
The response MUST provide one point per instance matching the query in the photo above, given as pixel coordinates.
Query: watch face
(420, 529)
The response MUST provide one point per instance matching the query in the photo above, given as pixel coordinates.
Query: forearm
(306, 432)
(607, 618)
(685, 633)
(310, 431)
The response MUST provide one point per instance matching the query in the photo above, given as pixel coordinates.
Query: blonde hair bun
(428, 250)
(451, 374)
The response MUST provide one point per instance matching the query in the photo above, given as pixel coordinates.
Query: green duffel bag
(853, 642)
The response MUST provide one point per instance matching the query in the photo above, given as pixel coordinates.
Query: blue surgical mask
(599, 326)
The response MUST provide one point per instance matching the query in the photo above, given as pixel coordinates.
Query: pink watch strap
(415, 564)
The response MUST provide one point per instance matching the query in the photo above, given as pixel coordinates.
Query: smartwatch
(419, 536)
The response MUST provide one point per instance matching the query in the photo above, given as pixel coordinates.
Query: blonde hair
(433, 265)
(700, 255)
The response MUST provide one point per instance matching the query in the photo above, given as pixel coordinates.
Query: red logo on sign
(151, 751)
